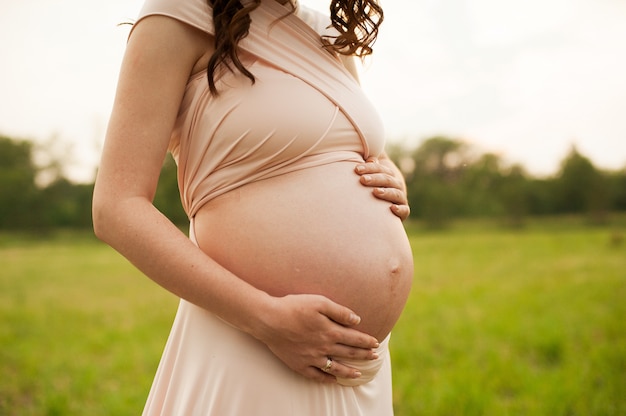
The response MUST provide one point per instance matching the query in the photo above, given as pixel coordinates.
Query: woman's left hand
(388, 184)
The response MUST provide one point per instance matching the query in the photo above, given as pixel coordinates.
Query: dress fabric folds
(210, 368)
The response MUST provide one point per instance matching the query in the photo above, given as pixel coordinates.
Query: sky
(526, 80)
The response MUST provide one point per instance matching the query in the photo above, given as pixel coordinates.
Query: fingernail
(380, 191)
(355, 319)
(360, 168)
(357, 374)
(367, 178)
(375, 356)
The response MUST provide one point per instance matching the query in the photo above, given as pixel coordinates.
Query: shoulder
(196, 13)
(319, 21)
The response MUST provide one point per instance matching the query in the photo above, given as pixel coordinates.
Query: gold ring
(329, 363)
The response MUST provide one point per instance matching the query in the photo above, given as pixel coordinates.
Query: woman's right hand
(305, 330)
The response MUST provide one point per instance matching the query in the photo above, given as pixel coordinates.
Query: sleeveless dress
(303, 110)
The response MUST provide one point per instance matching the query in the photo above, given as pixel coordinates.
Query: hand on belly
(305, 330)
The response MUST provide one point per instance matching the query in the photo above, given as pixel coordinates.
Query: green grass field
(500, 322)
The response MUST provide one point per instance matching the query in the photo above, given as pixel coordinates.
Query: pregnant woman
(295, 270)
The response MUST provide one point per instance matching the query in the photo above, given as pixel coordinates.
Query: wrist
(259, 323)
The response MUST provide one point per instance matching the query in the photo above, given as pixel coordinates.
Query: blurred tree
(167, 197)
(441, 157)
(482, 183)
(514, 196)
(581, 188)
(433, 188)
(19, 207)
(67, 204)
(51, 157)
(617, 189)
(541, 193)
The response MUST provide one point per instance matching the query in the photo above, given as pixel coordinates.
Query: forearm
(161, 251)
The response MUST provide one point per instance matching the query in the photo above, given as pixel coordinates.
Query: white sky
(523, 79)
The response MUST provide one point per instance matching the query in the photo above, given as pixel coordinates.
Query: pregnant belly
(316, 231)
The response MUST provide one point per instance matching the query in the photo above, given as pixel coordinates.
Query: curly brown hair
(357, 22)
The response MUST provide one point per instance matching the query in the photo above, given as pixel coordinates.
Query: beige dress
(248, 133)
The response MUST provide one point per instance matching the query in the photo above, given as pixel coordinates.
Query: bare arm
(300, 330)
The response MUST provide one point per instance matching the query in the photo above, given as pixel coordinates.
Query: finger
(338, 369)
(344, 352)
(314, 373)
(340, 314)
(402, 211)
(345, 335)
(350, 342)
(393, 195)
(380, 180)
(370, 167)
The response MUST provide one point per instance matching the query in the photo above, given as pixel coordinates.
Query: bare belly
(316, 231)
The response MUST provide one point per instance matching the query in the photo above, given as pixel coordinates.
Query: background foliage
(500, 321)
(446, 179)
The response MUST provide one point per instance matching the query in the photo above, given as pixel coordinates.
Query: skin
(301, 330)
(388, 183)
